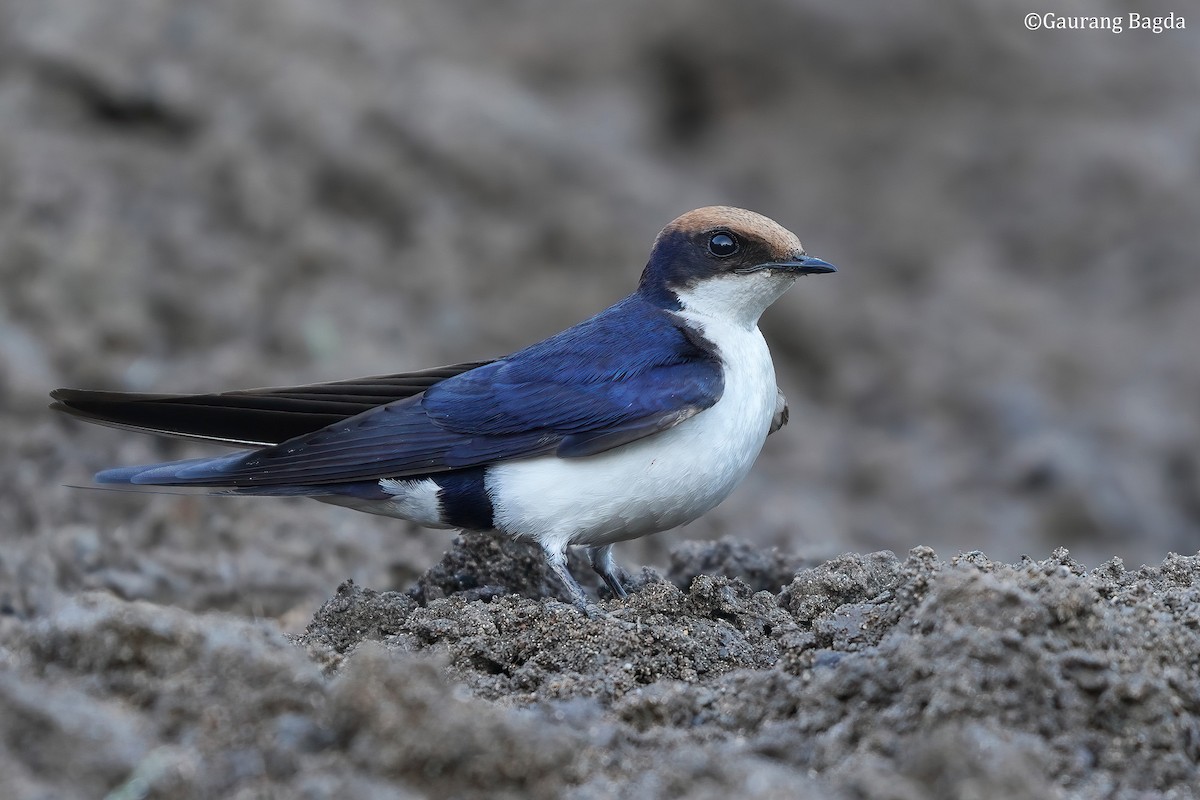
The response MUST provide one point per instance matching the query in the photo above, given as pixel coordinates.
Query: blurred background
(214, 194)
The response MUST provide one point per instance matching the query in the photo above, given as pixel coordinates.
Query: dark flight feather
(250, 416)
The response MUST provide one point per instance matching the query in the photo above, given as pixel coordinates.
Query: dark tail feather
(172, 473)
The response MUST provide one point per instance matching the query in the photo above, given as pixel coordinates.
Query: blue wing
(628, 372)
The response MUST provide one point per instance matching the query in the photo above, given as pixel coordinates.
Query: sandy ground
(206, 195)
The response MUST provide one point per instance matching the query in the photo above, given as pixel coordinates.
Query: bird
(635, 421)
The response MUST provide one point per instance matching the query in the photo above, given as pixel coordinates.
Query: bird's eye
(723, 244)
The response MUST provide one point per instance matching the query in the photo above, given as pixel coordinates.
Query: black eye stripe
(723, 244)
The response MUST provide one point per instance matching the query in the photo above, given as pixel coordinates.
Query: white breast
(656, 483)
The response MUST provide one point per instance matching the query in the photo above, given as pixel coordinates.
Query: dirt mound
(862, 676)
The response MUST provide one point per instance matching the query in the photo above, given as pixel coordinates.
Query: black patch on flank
(464, 499)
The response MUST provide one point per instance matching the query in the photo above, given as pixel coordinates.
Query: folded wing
(627, 373)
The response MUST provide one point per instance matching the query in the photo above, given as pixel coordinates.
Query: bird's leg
(606, 568)
(556, 559)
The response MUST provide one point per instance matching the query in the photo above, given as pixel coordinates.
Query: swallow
(635, 421)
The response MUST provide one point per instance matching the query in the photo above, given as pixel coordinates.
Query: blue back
(628, 372)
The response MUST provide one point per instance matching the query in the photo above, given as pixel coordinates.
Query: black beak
(804, 265)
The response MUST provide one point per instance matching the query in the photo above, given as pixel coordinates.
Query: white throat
(735, 299)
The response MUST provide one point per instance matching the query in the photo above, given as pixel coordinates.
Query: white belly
(653, 484)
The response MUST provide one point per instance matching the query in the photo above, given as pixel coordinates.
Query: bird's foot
(557, 561)
(604, 565)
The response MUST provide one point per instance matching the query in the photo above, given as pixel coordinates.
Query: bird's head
(725, 262)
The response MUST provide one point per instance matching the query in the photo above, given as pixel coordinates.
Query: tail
(173, 473)
(180, 476)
